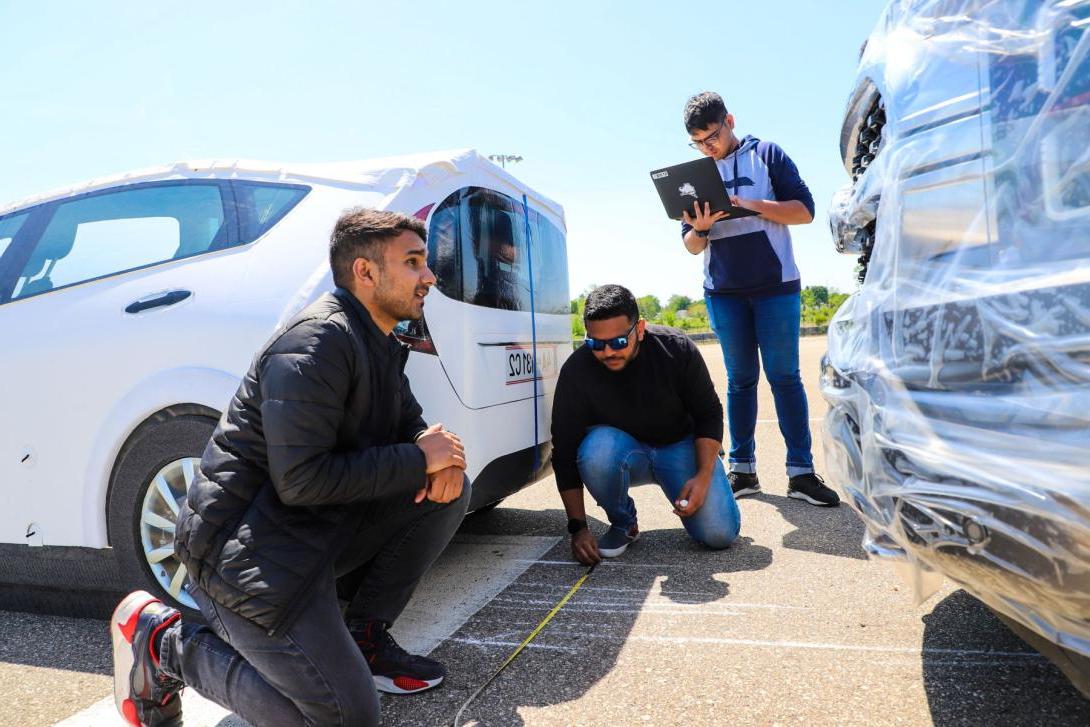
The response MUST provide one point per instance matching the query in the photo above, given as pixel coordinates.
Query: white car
(130, 308)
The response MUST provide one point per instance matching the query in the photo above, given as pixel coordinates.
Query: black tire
(170, 435)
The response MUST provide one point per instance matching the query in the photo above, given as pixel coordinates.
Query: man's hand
(702, 219)
(585, 548)
(443, 486)
(441, 449)
(693, 493)
(743, 202)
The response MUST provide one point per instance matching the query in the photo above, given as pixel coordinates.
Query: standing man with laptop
(753, 291)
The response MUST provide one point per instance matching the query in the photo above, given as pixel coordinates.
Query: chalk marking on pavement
(508, 644)
(512, 591)
(466, 577)
(526, 642)
(606, 563)
(807, 645)
(613, 609)
(470, 568)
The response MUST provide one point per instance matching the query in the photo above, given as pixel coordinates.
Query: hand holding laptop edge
(702, 219)
(696, 182)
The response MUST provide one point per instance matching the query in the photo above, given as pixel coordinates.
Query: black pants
(313, 673)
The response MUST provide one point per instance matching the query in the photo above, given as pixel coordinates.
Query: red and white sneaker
(143, 694)
(395, 670)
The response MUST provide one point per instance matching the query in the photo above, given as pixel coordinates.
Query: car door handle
(158, 300)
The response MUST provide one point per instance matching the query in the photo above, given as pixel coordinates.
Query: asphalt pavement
(791, 625)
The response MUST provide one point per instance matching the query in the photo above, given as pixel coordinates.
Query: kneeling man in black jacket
(321, 480)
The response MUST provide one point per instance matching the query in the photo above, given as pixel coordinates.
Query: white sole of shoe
(390, 686)
(747, 492)
(614, 552)
(803, 496)
(122, 629)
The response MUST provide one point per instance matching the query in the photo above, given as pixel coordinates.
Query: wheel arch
(163, 415)
(199, 391)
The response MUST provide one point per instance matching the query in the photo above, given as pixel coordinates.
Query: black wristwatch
(701, 233)
(575, 525)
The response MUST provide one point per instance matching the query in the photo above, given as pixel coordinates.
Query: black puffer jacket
(322, 424)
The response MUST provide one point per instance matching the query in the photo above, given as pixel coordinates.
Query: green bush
(819, 304)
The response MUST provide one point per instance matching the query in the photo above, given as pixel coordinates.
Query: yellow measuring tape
(526, 641)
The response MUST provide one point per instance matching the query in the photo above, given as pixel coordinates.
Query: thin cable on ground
(526, 641)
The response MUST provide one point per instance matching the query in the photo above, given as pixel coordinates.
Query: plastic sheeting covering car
(958, 375)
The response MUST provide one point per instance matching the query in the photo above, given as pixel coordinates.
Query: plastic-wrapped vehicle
(958, 375)
(131, 306)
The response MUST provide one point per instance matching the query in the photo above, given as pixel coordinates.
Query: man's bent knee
(716, 536)
(361, 709)
(602, 452)
(718, 540)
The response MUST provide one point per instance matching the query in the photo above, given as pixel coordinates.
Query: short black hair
(362, 232)
(703, 111)
(610, 301)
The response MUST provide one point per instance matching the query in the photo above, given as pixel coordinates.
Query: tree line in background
(819, 303)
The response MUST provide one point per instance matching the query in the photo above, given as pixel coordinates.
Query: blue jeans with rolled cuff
(770, 326)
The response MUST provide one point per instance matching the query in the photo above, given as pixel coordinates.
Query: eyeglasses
(619, 343)
(710, 138)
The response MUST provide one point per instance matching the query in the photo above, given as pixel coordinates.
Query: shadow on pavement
(659, 577)
(826, 530)
(976, 671)
(55, 642)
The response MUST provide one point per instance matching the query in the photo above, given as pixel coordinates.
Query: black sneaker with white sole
(143, 694)
(743, 483)
(615, 541)
(813, 489)
(395, 670)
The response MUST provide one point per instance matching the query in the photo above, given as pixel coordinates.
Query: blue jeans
(610, 461)
(769, 325)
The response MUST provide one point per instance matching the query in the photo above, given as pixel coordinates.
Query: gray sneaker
(616, 541)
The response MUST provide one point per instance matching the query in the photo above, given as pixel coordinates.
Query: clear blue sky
(589, 93)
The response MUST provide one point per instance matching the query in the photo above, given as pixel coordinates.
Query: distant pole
(502, 159)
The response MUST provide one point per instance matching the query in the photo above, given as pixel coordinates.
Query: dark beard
(395, 308)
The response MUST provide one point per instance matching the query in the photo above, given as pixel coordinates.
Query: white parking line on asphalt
(471, 572)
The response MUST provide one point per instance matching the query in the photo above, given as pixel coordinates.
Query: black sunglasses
(619, 343)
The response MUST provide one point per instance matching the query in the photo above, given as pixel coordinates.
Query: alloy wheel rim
(158, 524)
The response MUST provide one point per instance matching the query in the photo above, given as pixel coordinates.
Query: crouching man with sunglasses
(636, 405)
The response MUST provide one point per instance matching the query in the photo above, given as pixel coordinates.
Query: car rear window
(477, 247)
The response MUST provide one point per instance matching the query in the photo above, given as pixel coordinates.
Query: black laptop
(696, 181)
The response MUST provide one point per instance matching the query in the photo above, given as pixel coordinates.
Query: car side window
(121, 230)
(9, 228)
(260, 206)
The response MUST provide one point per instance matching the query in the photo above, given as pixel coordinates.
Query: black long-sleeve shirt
(662, 396)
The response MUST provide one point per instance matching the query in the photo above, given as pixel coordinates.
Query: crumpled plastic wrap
(958, 375)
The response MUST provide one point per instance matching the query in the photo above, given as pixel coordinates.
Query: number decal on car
(520, 364)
